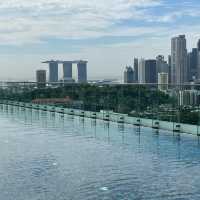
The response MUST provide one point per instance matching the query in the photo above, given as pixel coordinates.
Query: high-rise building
(163, 81)
(67, 70)
(169, 66)
(141, 71)
(41, 78)
(193, 64)
(161, 65)
(150, 71)
(198, 60)
(198, 45)
(136, 70)
(82, 71)
(179, 71)
(128, 75)
(53, 72)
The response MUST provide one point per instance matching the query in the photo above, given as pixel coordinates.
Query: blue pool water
(45, 156)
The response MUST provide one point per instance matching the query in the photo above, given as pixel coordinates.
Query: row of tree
(128, 99)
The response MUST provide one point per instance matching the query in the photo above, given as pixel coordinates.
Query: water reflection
(106, 125)
(94, 127)
(121, 130)
(55, 156)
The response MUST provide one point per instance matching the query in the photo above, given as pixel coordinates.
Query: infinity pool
(46, 156)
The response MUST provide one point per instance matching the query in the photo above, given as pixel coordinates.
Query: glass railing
(177, 104)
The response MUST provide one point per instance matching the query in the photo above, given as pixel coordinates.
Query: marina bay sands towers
(67, 70)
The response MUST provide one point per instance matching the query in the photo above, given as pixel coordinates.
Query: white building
(189, 97)
(141, 71)
(163, 81)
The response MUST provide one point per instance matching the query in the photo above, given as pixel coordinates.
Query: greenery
(135, 100)
(119, 98)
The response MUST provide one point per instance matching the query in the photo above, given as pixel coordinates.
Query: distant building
(128, 75)
(141, 71)
(198, 45)
(150, 71)
(53, 72)
(189, 97)
(136, 70)
(67, 70)
(163, 81)
(147, 72)
(41, 78)
(53, 101)
(193, 64)
(82, 71)
(179, 72)
(169, 66)
(161, 64)
(198, 60)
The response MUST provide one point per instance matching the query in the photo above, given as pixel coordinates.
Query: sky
(107, 33)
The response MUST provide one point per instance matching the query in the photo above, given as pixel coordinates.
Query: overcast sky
(108, 33)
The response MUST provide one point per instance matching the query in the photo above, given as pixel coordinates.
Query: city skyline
(107, 33)
(182, 66)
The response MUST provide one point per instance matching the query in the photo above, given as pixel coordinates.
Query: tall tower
(179, 69)
(198, 60)
(53, 71)
(128, 75)
(67, 70)
(150, 71)
(193, 64)
(82, 71)
(198, 45)
(41, 78)
(141, 71)
(169, 65)
(161, 65)
(136, 70)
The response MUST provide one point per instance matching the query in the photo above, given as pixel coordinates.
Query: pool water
(48, 156)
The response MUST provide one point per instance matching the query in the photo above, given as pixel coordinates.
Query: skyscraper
(82, 71)
(67, 70)
(136, 70)
(198, 60)
(53, 71)
(161, 65)
(193, 64)
(169, 66)
(41, 78)
(128, 75)
(198, 45)
(141, 71)
(150, 71)
(179, 69)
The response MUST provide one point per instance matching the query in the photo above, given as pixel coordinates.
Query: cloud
(23, 21)
(32, 22)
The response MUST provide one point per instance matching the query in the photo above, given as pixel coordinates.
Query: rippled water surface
(46, 156)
